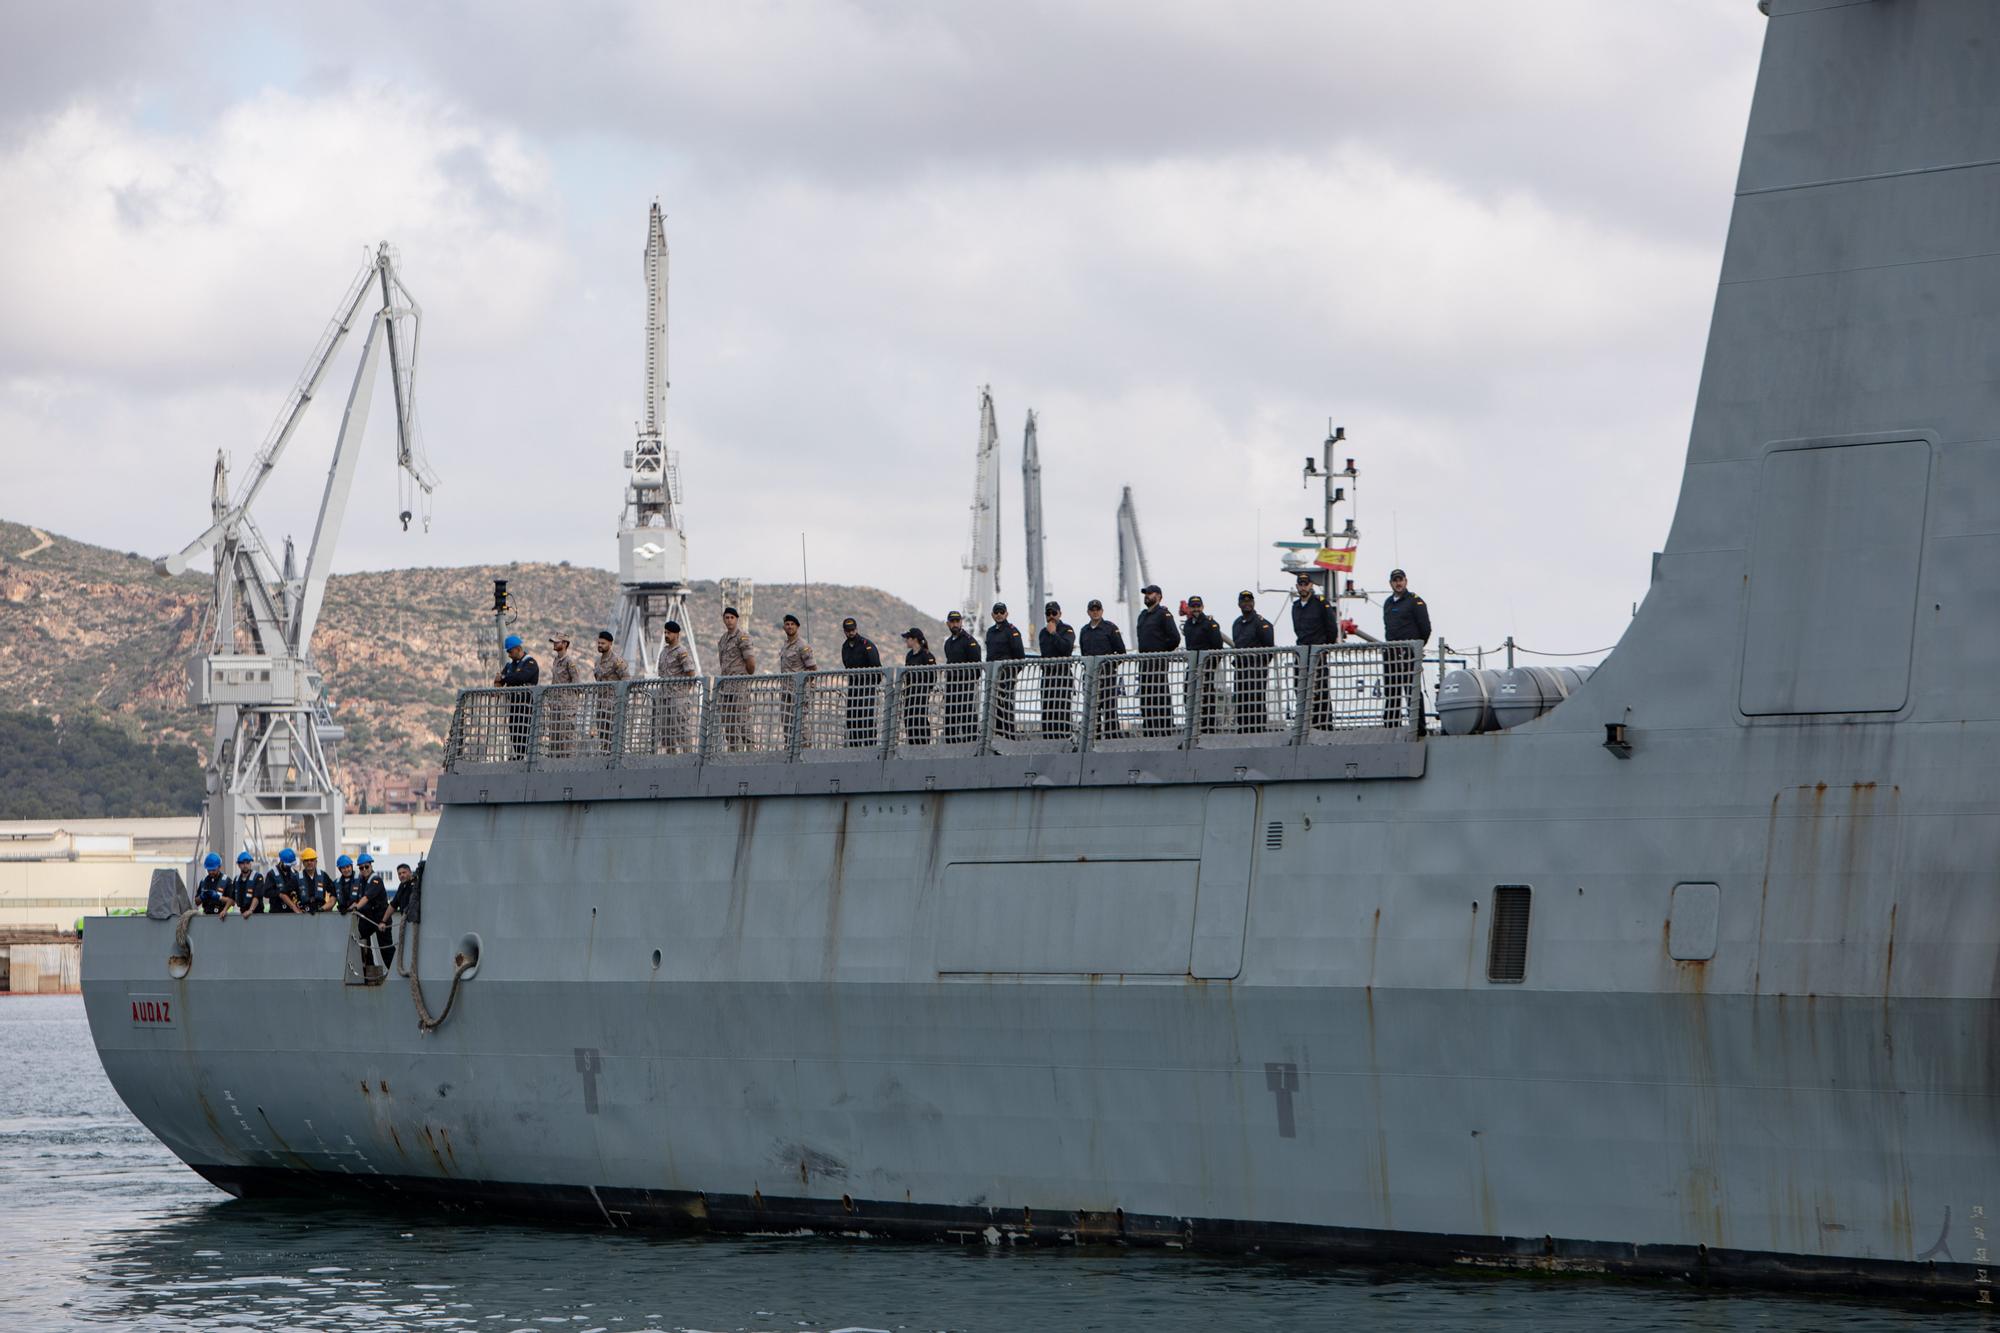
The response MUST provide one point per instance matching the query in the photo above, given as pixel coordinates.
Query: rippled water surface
(101, 1227)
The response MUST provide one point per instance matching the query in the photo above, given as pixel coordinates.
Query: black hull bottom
(692, 1211)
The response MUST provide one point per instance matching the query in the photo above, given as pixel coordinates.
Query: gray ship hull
(1258, 998)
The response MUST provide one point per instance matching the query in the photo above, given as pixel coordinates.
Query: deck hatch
(1507, 949)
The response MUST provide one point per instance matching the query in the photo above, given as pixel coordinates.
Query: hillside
(87, 769)
(90, 631)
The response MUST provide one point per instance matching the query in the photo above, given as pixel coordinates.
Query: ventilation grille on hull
(1274, 835)
(1507, 953)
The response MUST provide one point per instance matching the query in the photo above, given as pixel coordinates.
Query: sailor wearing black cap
(917, 685)
(1251, 672)
(1003, 644)
(961, 682)
(857, 653)
(1057, 642)
(1202, 634)
(1100, 638)
(1406, 624)
(1155, 633)
(1314, 622)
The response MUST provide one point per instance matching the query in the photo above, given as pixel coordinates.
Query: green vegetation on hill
(87, 769)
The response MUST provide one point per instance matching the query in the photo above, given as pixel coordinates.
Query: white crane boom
(982, 560)
(1132, 572)
(1031, 517)
(271, 757)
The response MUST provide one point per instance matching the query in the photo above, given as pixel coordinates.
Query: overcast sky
(1482, 237)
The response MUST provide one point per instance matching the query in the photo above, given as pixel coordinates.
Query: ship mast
(1132, 572)
(1031, 516)
(652, 544)
(982, 560)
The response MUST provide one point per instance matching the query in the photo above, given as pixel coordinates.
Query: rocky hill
(93, 632)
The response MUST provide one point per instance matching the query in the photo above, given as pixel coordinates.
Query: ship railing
(843, 714)
(1033, 706)
(1139, 701)
(751, 718)
(655, 723)
(1247, 696)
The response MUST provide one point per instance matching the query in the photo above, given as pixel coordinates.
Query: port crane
(271, 756)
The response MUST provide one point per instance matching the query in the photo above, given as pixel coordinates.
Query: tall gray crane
(652, 543)
(1132, 572)
(1031, 515)
(982, 559)
(271, 757)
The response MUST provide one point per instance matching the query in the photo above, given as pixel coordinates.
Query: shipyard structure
(1693, 975)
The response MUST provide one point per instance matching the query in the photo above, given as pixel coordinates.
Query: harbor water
(102, 1228)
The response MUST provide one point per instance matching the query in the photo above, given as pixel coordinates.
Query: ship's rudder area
(689, 1211)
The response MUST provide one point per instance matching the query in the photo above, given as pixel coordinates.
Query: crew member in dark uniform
(1100, 638)
(518, 672)
(918, 684)
(315, 885)
(1057, 642)
(1314, 623)
(346, 888)
(247, 889)
(282, 886)
(1202, 634)
(1155, 633)
(858, 653)
(1003, 644)
(211, 893)
(371, 916)
(1252, 671)
(961, 682)
(1406, 627)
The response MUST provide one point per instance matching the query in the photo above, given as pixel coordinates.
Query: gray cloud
(1485, 237)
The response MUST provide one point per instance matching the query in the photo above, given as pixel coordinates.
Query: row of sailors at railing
(1406, 625)
(1405, 618)
(295, 885)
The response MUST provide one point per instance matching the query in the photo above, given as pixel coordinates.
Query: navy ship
(1691, 975)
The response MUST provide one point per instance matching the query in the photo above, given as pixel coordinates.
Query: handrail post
(533, 759)
(711, 716)
(1191, 700)
(1087, 682)
(795, 721)
(614, 744)
(1305, 673)
(891, 687)
(989, 679)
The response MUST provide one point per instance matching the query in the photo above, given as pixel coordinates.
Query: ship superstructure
(1693, 975)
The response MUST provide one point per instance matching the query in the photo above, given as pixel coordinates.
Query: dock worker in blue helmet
(346, 884)
(246, 890)
(518, 672)
(283, 886)
(211, 895)
(371, 912)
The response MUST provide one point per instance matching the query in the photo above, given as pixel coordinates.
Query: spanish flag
(1340, 559)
